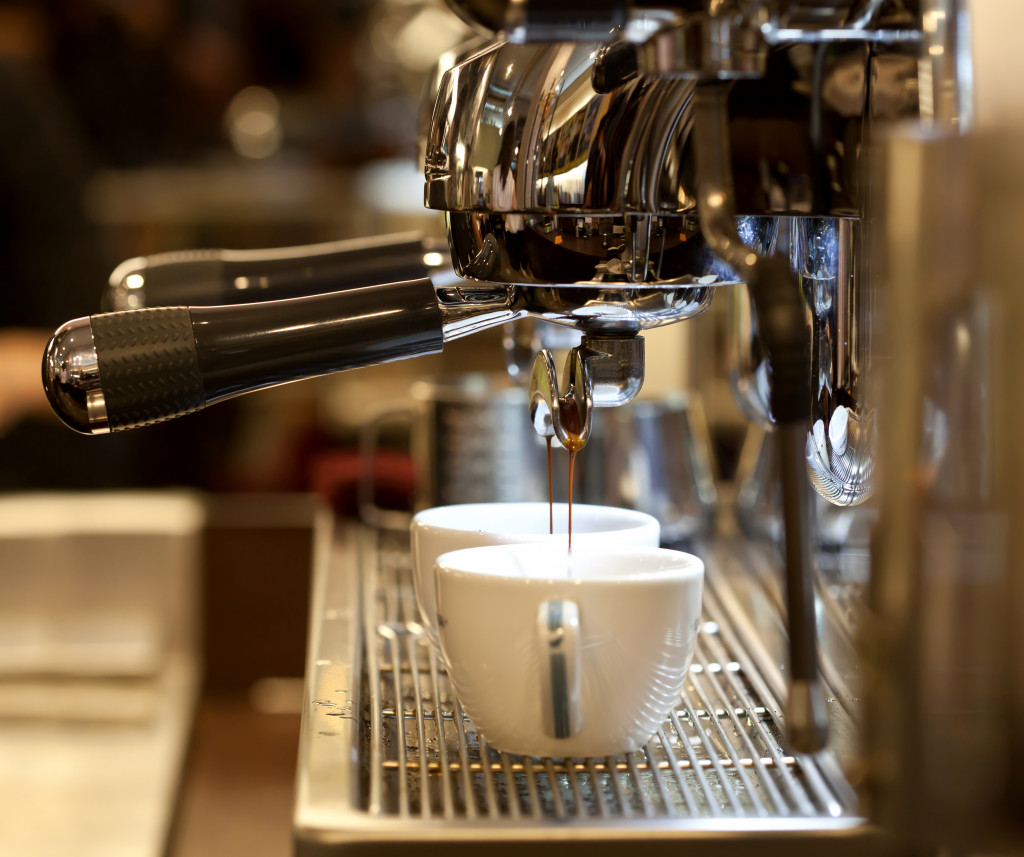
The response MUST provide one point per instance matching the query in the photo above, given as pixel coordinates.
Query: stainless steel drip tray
(388, 760)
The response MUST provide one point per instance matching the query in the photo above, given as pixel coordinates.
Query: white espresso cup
(448, 528)
(558, 655)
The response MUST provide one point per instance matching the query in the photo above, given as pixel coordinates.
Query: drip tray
(388, 759)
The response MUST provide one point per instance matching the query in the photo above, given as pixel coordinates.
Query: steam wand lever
(785, 337)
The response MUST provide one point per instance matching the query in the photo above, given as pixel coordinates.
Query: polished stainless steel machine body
(544, 113)
(945, 643)
(594, 223)
(612, 169)
(614, 163)
(553, 171)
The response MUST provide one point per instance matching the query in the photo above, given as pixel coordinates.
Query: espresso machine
(612, 168)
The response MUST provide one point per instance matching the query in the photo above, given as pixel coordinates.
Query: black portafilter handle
(219, 277)
(122, 370)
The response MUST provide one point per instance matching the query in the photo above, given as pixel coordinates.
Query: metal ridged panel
(719, 755)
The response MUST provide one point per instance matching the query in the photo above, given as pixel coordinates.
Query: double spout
(602, 371)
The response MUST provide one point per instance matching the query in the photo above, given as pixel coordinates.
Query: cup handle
(558, 640)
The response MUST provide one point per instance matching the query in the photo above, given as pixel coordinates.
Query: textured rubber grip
(148, 365)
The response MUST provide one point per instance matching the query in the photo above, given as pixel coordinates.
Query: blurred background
(152, 645)
(129, 127)
(140, 126)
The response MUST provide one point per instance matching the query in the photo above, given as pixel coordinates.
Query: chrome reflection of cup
(823, 252)
(841, 439)
(655, 457)
(839, 531)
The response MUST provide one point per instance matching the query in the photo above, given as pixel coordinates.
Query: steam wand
(783, 329)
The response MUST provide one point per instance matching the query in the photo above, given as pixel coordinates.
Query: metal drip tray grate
(719, 754)
(717, 766)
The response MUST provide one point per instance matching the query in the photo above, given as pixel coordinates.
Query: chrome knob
(71, 378)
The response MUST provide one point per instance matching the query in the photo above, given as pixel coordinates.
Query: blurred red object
(335, 476)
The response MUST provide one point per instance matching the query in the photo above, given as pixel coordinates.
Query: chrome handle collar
(71, 378)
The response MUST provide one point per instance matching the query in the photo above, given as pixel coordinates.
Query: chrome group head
(613, 179)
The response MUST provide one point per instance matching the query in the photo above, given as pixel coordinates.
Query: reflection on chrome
(576, 143)
(594, 250)
(840, 457)
(749, 366)
(584, 151)
(841, 442)
(841, 437)
(572, 180)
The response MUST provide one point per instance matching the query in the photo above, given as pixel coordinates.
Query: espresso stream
(573, 443)
(551, 494)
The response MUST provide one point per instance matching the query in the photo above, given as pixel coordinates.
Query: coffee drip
(551, 492)
(573, 446)
(565, 416)
(574, 441)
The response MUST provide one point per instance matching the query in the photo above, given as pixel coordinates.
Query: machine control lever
(785, 337)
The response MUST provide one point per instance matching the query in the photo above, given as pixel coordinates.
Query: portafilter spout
(554, 414)
(602, 371)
